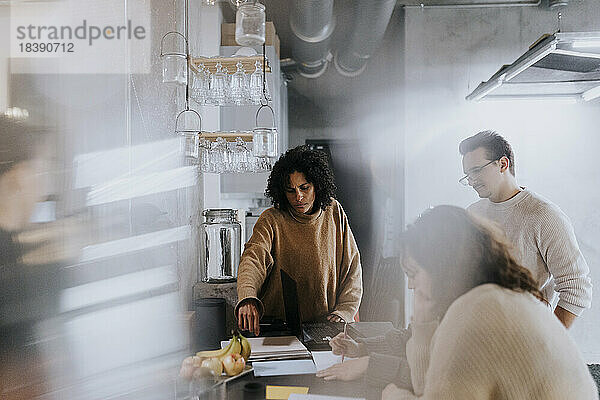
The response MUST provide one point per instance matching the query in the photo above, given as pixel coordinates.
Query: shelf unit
(230, 63)
(229, 136)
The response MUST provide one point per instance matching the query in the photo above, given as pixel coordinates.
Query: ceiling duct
(471, 3)
(552, 4)
(370, 20)
(312, 24)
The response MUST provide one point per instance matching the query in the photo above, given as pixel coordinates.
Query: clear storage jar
(250, 24)
(220, 238)
(264, 142)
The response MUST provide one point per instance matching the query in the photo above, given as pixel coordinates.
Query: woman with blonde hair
(480, 328)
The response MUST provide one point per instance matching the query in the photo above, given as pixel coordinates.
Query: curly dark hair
(315, 167)
(460, 252)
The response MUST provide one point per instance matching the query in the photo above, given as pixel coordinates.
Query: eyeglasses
(473, 173)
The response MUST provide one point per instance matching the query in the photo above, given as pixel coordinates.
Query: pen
(345, 336)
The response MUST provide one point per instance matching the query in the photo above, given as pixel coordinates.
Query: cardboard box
(271, 38)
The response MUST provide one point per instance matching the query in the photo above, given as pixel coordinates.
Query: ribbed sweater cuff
(345, 315)
(384, 369)
(261, 307)
(571, 307)
(376, 344)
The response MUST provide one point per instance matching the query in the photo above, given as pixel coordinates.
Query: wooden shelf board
(229, 62)
(229, 136)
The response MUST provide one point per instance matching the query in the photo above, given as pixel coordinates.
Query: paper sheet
(325, 359)
(295, 396)
(283, 392)
(286, 367)
(269, 345)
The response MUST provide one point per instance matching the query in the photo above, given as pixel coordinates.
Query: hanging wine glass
(240, 155)
(199, 91)
(218, 85)
(237, 90)
(256, 84)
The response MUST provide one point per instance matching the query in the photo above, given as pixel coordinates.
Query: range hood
(560, 66)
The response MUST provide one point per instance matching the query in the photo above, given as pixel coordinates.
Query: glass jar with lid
(220, 238)
(264, 139)
(250, 24)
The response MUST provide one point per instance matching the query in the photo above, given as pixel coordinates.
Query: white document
(296, 396)
(325, 359)
(285, 367)
(273, 344)
(275, 347)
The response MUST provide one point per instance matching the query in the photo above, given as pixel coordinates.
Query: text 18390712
(46, 47)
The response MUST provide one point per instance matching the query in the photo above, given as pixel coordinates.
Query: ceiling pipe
(312, 25)
(554, 4)
(466, 4)
(370, 20)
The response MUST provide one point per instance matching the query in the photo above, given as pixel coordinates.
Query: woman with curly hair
(306, 234)
(480, 327)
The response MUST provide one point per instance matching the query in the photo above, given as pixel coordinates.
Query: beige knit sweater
(545, 244)
(318, 251)
(481, 351)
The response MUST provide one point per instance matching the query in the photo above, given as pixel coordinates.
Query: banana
(246, 348)
(215, 353)
(233, 348)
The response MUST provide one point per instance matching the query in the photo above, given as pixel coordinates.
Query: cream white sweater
(481, 351)
(545, 244)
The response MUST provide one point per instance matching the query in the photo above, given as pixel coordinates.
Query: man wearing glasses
(540, 232)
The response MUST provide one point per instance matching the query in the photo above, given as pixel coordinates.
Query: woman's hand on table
(345, 345)
(392, 392)
(248, 317)
(346, 371)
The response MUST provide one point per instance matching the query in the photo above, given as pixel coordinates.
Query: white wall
(448, 52)
(4, 54)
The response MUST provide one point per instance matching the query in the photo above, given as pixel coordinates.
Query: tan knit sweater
(481, 351)
(318, 251)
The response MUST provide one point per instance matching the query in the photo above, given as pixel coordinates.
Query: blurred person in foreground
(306, 233)
(466, 342)
(542, 235)
(29, 280)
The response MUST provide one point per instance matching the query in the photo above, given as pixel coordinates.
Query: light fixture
(583, 44)
(576, 53)
(591, 94)
(477, 96)
(537, 57)
(557, 98)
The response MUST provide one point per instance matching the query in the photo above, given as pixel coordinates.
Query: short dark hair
(18, 142)
(493, 143)
(315, 167)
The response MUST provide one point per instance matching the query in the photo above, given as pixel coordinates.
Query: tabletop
(234, 390)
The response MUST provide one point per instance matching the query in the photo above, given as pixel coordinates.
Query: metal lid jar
(220, 238)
